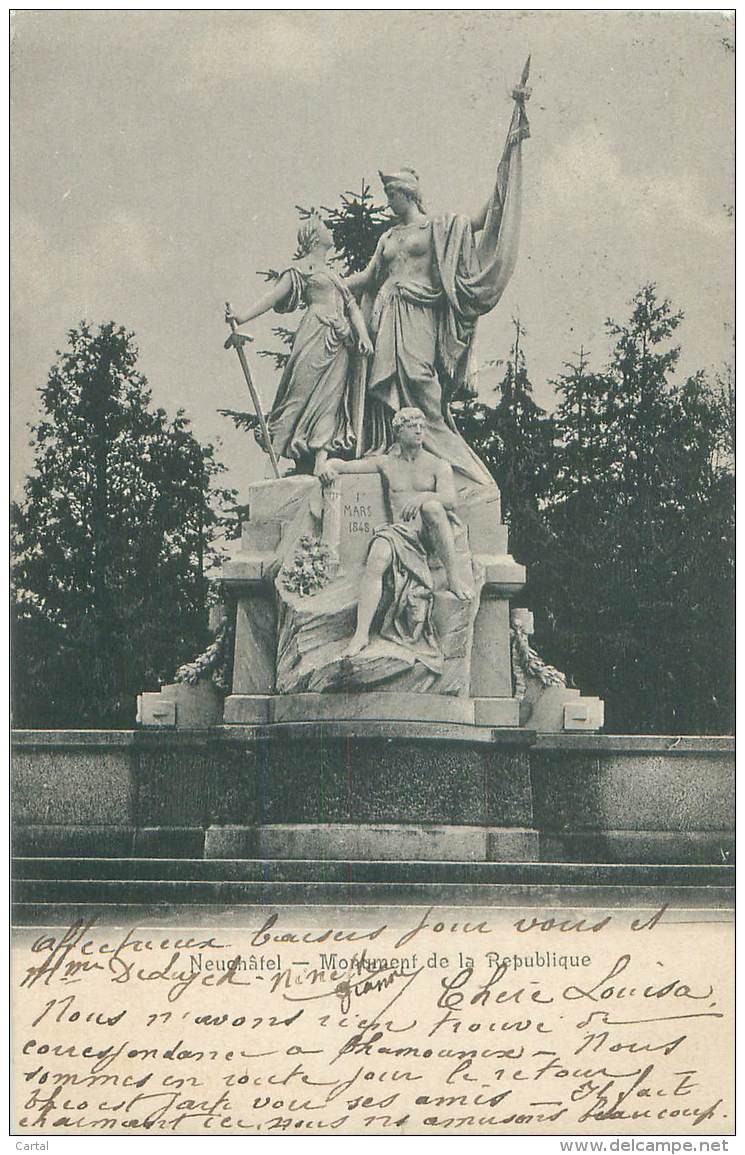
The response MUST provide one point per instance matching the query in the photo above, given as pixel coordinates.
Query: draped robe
(312, 408)
(425, 351)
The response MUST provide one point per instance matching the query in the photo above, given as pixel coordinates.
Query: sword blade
(256, 403)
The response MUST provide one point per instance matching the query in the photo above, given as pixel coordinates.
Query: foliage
(514, 439)
(528, 663)
(279, 356)
(357, 224)
(621, 505)
(308, 572)
(112, 542)
(638, 572)
(246, 421)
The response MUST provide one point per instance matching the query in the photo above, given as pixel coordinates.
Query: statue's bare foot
(463, 592)
(357, 643)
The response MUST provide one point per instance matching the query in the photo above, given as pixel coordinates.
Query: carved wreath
(527, 663)
(213, 663)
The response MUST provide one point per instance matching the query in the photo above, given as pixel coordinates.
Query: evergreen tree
(585, 426)
(639, 493)
(111, 543)
(514, 439)
(357, 224)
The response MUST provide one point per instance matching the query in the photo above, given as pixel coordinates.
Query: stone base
(560, 708)
(182, 706)
(366, 842)
(376, 705)
(660, 846)
(496, 711)
(360, 790)
(296, 644)
(108, 841)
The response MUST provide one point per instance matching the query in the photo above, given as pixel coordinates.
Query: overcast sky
(157, 157)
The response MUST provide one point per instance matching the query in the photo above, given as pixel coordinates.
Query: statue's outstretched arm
(362, 280)
(365, 279)
(332, 468)
(359, 465)
(278, 291)
(479, 219)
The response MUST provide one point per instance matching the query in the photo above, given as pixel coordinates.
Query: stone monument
(371, 723)
(369, 600)
(340, 606)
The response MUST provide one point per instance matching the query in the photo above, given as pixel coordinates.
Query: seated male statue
(420, 495)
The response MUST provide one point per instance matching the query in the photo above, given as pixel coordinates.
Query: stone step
(709, 903)
(54, 901)
(226, 870)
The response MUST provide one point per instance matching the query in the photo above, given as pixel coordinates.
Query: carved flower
(308, 572)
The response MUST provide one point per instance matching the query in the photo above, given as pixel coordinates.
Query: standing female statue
(424, 289)
(313, 410)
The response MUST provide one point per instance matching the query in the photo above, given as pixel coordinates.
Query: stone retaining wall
(452, 792)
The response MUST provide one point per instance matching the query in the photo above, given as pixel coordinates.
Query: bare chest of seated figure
(407, 253)
(403, 478)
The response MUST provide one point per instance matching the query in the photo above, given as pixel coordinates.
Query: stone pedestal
(255, 640)
(289, 661)
(375, 705)
(142, 824)
(301, 680)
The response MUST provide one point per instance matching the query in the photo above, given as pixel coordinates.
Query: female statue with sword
(312, 415)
